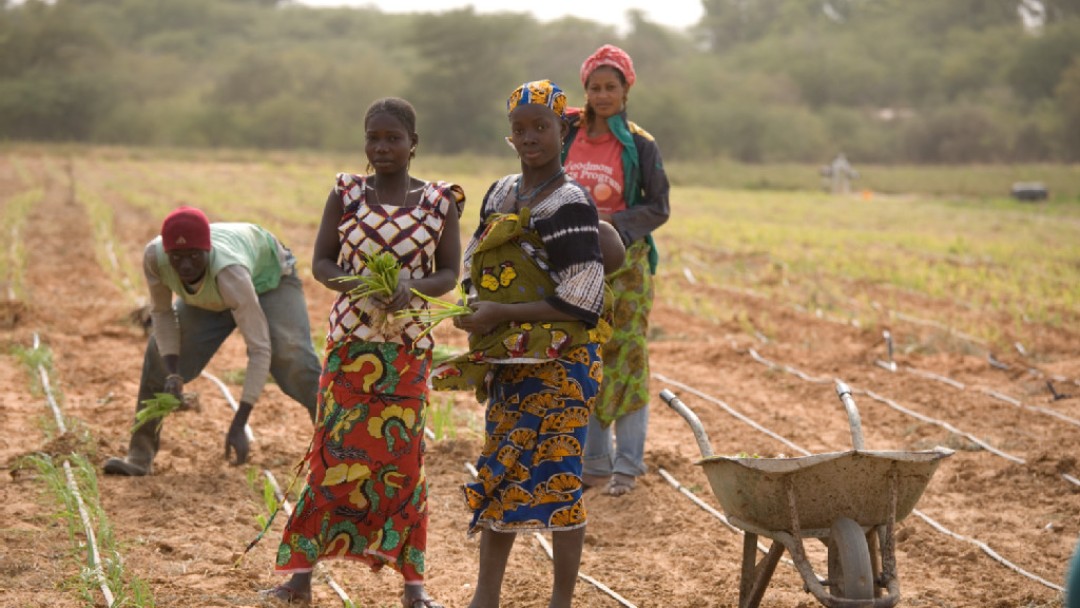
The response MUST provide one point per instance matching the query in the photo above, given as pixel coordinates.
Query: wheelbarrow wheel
(850, 571)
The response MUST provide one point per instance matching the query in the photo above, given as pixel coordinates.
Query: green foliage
(472, 81)
(1040, 61)
(1012, 258)
(32, 358)
(270, 501)
(13, 257)
(155, 410)
(756, 80)
(441, 420)
(380, 276)
(1068, 97)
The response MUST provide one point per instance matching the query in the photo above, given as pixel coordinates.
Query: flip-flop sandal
(619, 485)
(285, 594)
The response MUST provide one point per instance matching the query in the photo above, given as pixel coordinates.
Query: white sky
(673, 13)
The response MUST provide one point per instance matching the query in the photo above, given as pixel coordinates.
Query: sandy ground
(181, 530)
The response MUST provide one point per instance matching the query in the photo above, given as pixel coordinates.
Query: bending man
(222, 276)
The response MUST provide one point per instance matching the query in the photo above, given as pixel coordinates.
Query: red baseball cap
(185, 228)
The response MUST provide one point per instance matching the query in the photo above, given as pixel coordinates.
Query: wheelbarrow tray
(854, 484)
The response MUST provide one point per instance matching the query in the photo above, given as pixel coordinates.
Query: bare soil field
(182, 529)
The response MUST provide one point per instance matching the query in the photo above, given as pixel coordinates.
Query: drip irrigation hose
(744, 419)
(73, 486)
(896, 406)
(891, 366)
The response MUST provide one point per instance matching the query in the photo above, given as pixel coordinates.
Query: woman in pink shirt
(619, 164)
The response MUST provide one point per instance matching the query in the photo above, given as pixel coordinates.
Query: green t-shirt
(247, 245)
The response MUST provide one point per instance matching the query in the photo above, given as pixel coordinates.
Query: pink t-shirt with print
(596, 164)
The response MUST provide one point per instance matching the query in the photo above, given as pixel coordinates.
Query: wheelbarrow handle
(691, 418)
(844, 392)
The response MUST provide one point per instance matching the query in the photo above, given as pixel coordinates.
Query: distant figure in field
(838, 174)
(222, 276)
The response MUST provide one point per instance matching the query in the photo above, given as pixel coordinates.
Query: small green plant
(270, 501)
(747, 455)
(234, 376)
(441, 420)
(155, 409)
(34, 357)
(133, 593)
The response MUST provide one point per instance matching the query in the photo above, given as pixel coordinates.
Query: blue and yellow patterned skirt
(530, 467)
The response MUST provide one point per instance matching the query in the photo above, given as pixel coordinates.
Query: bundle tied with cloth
(505, 270)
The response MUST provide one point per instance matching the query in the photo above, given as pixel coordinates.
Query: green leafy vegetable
(155, 409)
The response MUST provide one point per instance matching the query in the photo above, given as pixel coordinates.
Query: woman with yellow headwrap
(536, 276)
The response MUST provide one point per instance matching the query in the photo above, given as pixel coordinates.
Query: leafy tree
(729, 23)
(1041, 60)
(756, 80)
(461, 87)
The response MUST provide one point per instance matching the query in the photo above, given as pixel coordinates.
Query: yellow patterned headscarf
(541, 92)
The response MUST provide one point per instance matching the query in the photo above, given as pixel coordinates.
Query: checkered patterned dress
(410, 233)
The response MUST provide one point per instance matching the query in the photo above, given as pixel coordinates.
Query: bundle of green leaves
(381, 277)
(155, 409)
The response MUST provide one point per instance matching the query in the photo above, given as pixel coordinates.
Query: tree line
(885, 81)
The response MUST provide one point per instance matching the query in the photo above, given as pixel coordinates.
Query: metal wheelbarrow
(850, 501)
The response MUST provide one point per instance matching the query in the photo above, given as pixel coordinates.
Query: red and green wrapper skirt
(366, 492)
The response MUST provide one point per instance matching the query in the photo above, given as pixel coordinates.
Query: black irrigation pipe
(547, 549)
(896, 406)
(890, 365)
(854, 322)
(277, 489)
(91, 539)
(893, 404)
(934, 524)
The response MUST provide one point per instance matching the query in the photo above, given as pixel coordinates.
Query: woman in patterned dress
(536, 282)
(366, 493)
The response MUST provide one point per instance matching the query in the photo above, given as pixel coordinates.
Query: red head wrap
(613, 56)
(185, 228)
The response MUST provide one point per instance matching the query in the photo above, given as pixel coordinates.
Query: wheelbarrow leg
(873, 541)
(755, 577)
